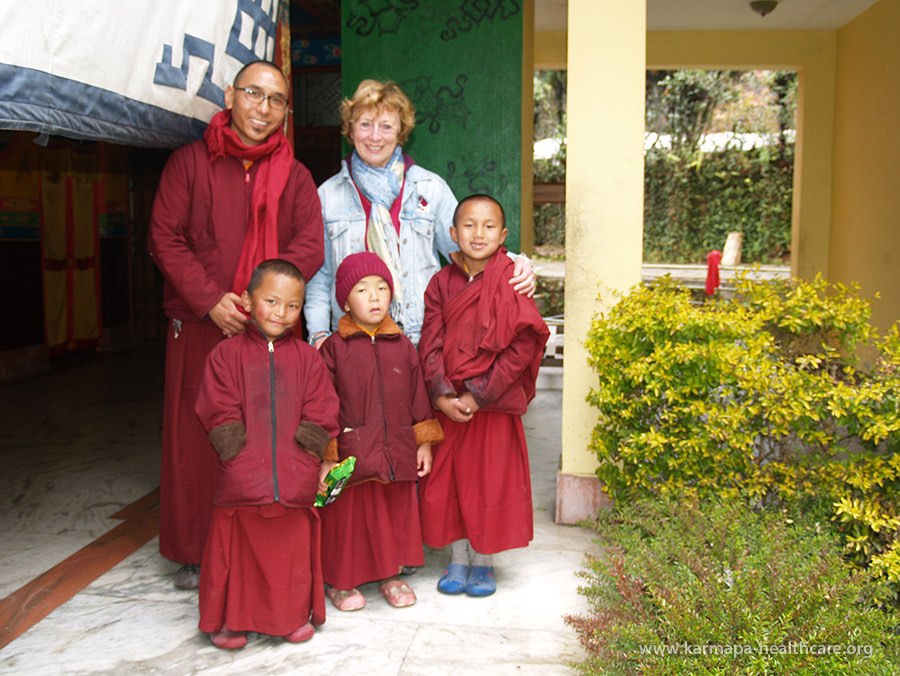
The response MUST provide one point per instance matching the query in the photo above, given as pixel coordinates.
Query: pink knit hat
(353, 268)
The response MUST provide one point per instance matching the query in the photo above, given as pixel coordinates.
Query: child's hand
(423, 459)
(327, 466)
(454, 409)
(469, 402)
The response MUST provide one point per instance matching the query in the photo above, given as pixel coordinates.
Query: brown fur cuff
(228, 439)
(428, 431)
(312, 437)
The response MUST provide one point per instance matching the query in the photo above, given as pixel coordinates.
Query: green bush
(725, 590)
(761, 397)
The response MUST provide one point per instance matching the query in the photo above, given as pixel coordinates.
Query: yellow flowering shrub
(783, 394)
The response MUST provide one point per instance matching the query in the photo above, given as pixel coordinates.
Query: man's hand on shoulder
(227, 315)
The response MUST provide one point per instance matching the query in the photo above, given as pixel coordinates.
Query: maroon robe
(262, 570)
(197, 233)
(480, 336)
(372, 529)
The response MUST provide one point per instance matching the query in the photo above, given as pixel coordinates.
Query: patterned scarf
(381, 186)
(273, 158)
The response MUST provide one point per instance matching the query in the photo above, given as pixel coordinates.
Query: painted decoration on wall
(143, 72)
(461, 65)
(319, 103)
(472, 13)
(315, 52)
(378, 17)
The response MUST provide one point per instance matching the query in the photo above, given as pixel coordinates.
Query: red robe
(480, 336)
(373, 529)
(197, 233)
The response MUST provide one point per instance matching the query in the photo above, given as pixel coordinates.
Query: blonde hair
(379, 95)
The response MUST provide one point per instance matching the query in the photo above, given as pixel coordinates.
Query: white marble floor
(82, 443)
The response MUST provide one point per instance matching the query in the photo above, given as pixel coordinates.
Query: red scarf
(273, 158)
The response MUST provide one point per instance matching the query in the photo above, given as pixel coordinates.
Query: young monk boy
(270, 409)
(481, 347)
(372, 531)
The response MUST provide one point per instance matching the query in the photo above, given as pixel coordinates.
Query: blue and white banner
(137, 72)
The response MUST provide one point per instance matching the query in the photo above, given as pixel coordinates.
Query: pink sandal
(346, 599)
(397, 593)
(229, 640)
(301, 634)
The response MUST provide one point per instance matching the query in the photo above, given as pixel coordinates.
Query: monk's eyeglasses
(254, 96)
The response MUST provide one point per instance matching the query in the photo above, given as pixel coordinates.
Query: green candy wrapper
(335, 481)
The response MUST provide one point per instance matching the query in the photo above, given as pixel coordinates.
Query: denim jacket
(426, 214)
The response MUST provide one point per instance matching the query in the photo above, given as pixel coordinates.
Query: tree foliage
(693, 197)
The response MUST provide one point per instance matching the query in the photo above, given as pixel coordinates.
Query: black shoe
(188, 576)
(408, 570)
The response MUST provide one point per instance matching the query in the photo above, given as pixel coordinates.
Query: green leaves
(762, 396)
(696, 578)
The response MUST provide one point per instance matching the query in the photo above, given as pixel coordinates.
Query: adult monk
(224, 204)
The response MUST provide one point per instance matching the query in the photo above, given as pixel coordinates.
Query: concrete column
(604, 210)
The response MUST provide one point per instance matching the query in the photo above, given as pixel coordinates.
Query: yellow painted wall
(847, 175)
(550, 50)
(865, 234)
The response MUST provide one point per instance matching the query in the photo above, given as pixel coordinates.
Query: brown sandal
(397, 593)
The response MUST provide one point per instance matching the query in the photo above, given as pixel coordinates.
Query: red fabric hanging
(713, 258)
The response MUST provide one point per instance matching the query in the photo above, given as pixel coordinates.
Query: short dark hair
(277, 266)
(270, 64)
(479, 196)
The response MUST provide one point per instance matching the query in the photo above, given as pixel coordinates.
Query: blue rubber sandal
(453, 581)
(481, 581)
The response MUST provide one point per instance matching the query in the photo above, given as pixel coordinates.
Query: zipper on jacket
(384, 425)
(274, 419)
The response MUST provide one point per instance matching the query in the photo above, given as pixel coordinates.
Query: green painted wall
(460, 61)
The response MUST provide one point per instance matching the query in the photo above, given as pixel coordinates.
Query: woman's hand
(524, 279)
(318, 338)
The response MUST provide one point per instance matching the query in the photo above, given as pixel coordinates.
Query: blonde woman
(382, 201)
